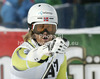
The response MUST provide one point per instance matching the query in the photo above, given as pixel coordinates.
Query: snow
(94, 30)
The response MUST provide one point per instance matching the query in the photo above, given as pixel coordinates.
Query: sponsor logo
(5, 63)
(81, 66)
(41, 13)
(46, 19)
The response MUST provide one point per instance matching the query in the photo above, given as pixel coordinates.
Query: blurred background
(79, 22)
(71, 13)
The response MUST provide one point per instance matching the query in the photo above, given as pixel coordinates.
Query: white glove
(35, 54)
(55, 46)
(59, 45)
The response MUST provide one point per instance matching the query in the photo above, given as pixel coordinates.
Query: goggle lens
(51, 28)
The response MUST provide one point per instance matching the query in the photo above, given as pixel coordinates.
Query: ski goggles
(39, 28)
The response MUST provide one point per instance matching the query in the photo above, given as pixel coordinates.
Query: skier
(42, 55)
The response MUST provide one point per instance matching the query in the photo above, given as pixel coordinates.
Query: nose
(45, 33)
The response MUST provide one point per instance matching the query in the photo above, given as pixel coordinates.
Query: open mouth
(45, 37)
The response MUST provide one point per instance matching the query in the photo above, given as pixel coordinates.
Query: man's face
(44, 32)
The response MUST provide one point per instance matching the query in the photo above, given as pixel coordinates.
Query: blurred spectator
(71, 1)
(9, 12)
(40, 1)
(23, 10)
(51, 2)
(92, 14)
(14, 11)
(90, 1)
(54, 2)
(67, 1)
(4, 1)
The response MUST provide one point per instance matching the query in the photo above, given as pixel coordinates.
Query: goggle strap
(32, 26)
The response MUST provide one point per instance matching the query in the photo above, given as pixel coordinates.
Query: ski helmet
(42, 13)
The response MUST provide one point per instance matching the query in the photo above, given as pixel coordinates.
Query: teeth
(45, 37)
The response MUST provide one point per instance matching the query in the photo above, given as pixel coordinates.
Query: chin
(46, 41)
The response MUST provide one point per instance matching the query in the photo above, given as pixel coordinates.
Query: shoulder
(30, 44)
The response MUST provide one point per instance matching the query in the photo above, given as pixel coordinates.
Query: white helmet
(42, 13)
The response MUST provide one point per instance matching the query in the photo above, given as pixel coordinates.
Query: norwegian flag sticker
(46, 19)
